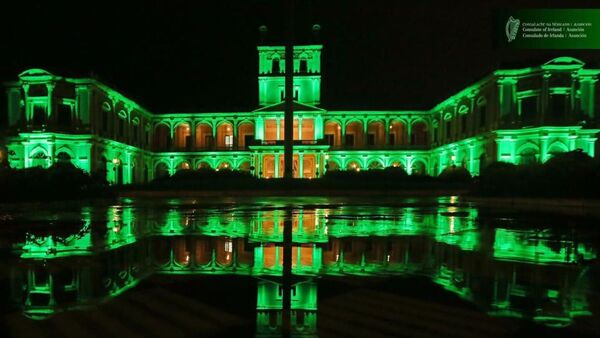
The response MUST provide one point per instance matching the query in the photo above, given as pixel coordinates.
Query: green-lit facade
(519, 116)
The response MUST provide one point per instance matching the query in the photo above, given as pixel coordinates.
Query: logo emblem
(511, 29)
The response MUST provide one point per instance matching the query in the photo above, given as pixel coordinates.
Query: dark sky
(175, 56)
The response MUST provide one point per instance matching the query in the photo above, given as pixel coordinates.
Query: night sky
(180, 56)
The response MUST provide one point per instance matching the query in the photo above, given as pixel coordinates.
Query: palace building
(519, 116)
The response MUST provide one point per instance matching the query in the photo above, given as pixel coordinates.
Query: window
(63, 158)
(529, 108)
(275, 66)
(482, 116)
(248, 140)
(329, 138)
(392, 139)
(463, 124)
(121, 127)
(281, 94)
(39, 114)
(303, 66)
(349, 139)
(371, 139)
(296, 93)
(558, 106)
(448, 129)
(105, 121)
(229, 141)
(208, 140)
(435, 134)
(135, 133)
(64, 115)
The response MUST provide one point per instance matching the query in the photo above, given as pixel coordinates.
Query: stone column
(300, 165)
(507, 94)
(543, 156)
(235, 125)
(387, 125)
(587, 96)
(14, 105)
(172, 133)
(319, 127)
(299, 128)
(278, 121)
(192, 125)
(259, 128)
(50, 87)
(276, 165)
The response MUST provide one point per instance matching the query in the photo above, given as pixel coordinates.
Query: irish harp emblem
(512, 27)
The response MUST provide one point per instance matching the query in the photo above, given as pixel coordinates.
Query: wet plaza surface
(215, 267)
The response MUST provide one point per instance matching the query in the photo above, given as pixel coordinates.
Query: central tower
(307, 74)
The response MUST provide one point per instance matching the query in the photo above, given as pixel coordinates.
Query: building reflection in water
(533, 274)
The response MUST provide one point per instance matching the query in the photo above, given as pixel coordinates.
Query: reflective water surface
(426, 267)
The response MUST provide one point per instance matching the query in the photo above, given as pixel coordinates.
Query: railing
(282, 142)
(382, 147)
(208, 148)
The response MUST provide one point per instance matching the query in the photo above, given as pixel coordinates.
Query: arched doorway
(419, 134)
(333, 134)
(63, 158)
(375, 134)
(354, 134)
(397, 133)
(225, 135)
(162, 138)
(183, 137)
(375, 165)
(418, 168)
(204, 136)
(245, 135)
(353, 165)
(161, 170)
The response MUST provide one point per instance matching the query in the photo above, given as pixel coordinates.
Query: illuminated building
(519, 116)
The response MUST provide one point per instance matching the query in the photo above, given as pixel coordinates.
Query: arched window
(353, 165)
(161, 170)
(332, 166)
(39, 160)
(63, 158)
(418, 168)
(375, 165)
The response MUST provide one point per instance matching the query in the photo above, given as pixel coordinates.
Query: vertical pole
(289, 168)
(289, 92)
(286, 312)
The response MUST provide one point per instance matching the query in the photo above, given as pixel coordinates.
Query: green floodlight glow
(485, 122)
